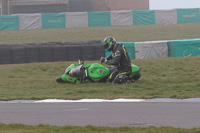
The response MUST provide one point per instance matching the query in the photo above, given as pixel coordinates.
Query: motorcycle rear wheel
(136, 76)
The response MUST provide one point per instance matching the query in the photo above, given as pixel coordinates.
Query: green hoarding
(99, 19)
(143, 17)
(183, 48)
(188, 15)
(130, 46)
(53, 20)
(9, 22)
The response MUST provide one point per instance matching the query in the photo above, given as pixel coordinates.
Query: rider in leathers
(119, 58)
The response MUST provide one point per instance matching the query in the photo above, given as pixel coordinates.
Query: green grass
(161, 78)
(121, 33)
(14, 128)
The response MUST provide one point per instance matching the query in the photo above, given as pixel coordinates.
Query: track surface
(175, 114)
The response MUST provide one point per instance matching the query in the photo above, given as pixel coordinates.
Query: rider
(119, 58)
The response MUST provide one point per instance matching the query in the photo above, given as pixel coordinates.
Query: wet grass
(121, 33)
(161, 78)
(17, 128)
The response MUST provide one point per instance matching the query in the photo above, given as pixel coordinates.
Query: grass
(121, 33)
(17, 128)
(161, 78)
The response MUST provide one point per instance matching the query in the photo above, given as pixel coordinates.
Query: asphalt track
(112, 114)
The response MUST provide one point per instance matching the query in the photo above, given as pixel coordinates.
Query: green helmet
(109, 43)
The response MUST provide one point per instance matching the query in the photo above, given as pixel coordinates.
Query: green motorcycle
(85, 73)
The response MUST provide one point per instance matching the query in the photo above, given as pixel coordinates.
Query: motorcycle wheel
(59, 80)
(136, 76)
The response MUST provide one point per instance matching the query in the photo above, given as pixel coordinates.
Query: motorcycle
(95, 72)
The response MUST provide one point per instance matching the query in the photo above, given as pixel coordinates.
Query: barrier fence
(93, 50)
(101, 18)
(50, 52)
(163, 48)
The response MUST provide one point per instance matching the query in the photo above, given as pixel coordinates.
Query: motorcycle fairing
(96, 72)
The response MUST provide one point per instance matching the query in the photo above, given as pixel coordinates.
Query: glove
(103, 60)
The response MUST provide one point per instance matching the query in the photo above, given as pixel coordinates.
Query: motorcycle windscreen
(69, 68)
(96, 72)
(77, 72)
(72, 66)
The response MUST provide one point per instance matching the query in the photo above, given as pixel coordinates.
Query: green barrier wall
(9, 22)
(103, 18)
(130, 46)
(188, 15)
(144, 17)
(53, 20)
(107, 53)
(183, 48)
(99, 19)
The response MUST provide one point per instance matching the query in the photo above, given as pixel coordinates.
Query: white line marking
(103, 100)
(88, 100)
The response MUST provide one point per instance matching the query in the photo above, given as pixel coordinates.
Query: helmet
(109, 43)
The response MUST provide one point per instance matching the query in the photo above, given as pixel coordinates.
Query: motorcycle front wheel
(59, 80)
